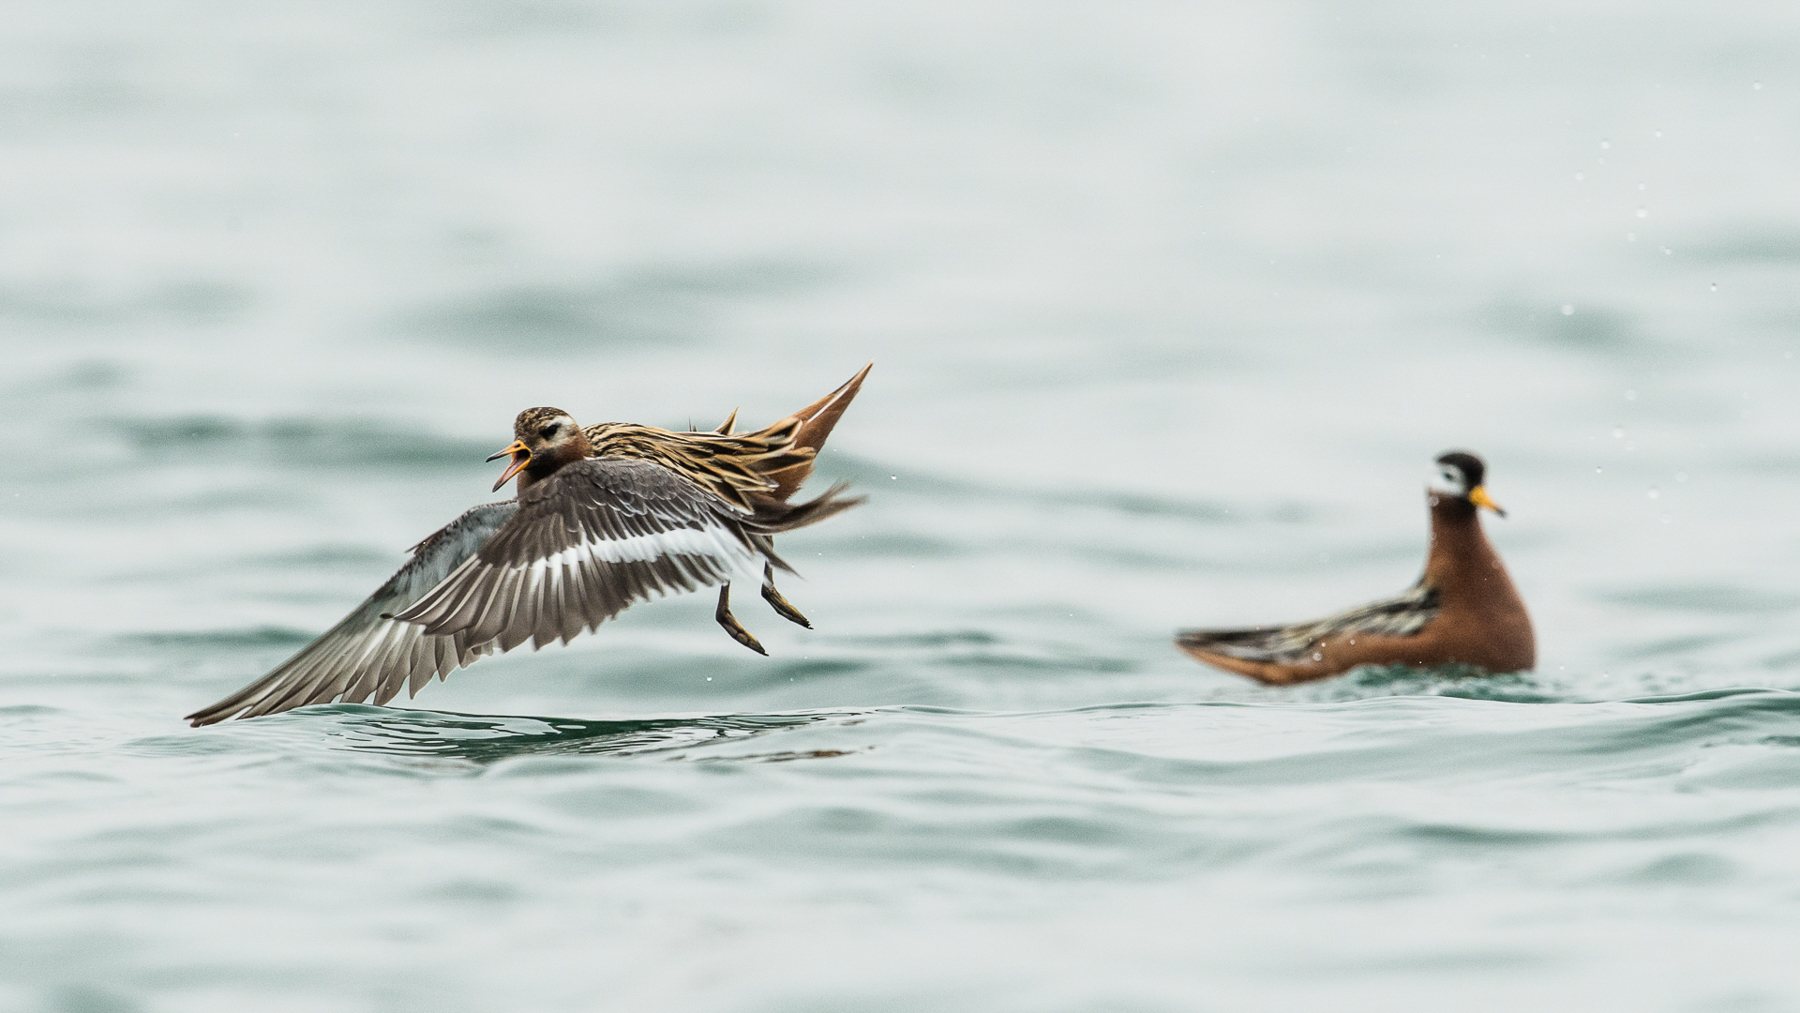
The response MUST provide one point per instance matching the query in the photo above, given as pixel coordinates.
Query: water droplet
(1605, 145)
(1756, 86)
(1681, 476)
(1630, 395)
(1654, 493)
(1598, 469)
(1643, 212)
(1580, 176)
(893, 478)
(1656, 134)
(1642, 187)
(1568, 310)
(1667, 252)
(1618, 432)
(1631, 237)
(1714, 287)
(1318, 657)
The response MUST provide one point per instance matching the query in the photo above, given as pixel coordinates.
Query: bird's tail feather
(817, 420)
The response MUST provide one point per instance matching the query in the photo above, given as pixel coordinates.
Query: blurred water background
(1170, 304)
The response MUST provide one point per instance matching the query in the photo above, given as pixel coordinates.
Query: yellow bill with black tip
(1479, 496)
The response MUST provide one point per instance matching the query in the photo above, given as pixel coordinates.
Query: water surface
(1170, 309)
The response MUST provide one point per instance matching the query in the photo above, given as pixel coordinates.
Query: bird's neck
(1459, 549)
(554, 459)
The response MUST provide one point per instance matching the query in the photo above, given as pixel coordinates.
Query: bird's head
(1457, 476)
(544, 439)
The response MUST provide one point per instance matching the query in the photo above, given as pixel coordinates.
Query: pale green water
(1170, 308)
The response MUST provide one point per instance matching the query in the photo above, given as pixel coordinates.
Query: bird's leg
(732, 626)
(781, 605)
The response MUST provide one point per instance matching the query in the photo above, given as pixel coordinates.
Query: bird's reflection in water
(487, 739)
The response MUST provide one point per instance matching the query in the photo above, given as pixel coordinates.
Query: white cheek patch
(1447, 481)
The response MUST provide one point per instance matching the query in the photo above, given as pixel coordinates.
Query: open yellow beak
(521, 456)
(1478, 496)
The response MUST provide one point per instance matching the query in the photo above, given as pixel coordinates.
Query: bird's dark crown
(1471, 467)
(531, 422)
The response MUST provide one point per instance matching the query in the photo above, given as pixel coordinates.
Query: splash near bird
(604, 517)
(1463, 610)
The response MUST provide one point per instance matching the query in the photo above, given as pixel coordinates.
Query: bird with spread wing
(604, 517)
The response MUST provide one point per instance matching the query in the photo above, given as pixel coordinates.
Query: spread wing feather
(588, 542)
(368, 653)
(574, 550)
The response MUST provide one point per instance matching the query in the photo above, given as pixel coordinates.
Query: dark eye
(549, 430)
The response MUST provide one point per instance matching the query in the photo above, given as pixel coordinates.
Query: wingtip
(1193, 648)
(206, 716)
(1194, 651)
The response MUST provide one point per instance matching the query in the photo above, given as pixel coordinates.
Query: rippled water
(1170, 308)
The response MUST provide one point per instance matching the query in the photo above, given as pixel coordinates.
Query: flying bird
(603, 517)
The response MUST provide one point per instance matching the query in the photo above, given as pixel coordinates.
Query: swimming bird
(1463, 610)
(603, 517)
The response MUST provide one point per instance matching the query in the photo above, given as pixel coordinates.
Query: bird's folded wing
(1400, 616)
(369, 653)
(587, 543)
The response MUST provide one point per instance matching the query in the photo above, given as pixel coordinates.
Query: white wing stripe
(708, 541)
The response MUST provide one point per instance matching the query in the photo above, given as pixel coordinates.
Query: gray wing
(587, 543)
(1399, 616)
(369, 653)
